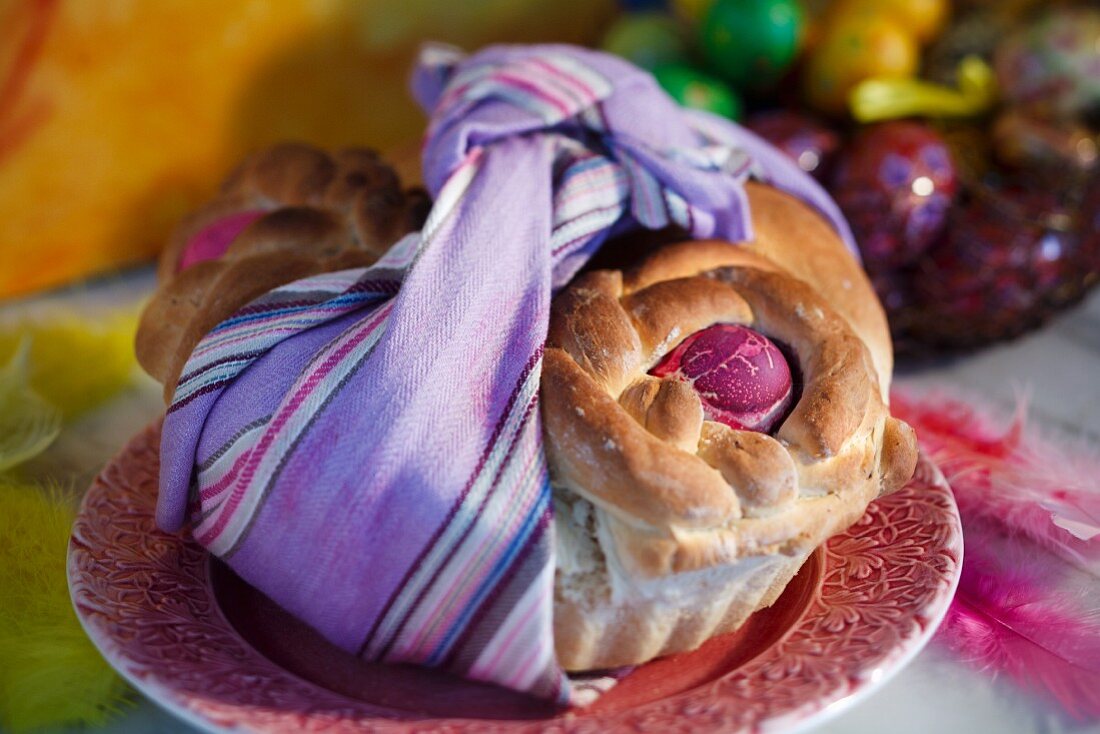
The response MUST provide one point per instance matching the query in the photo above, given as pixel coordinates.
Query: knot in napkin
(669, 165)
(365, 446)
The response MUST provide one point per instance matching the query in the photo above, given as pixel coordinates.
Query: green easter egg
(647, 39)
(751, 42)
(693, 88)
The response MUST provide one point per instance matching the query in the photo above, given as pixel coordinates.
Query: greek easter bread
(673, 527)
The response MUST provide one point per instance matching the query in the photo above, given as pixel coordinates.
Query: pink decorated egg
(741, 376)
(895, 183)
(1009, 254)
(211, 242)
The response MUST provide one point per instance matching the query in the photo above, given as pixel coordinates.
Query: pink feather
(1011, 476)
(1028, 604)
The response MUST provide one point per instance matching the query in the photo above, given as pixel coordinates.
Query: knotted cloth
(365, 446)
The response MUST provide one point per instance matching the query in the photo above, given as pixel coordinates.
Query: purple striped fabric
(365, 446)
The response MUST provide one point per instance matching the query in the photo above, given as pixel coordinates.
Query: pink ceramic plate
(191, 636)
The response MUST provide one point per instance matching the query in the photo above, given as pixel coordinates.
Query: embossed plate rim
(114, 625)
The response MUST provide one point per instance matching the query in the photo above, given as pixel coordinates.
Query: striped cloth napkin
(365, 446)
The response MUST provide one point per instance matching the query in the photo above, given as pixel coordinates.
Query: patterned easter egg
(1052, 66)
(741, 376)
(895, 183)
(807, 141)
(1006, 257)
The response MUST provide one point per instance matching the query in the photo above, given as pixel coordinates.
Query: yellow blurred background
(118, 116)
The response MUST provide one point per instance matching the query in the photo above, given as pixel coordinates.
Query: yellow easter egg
(924, 19)
(852, 49)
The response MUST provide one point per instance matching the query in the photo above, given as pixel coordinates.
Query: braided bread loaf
(670, 527)
(673, 527)
(285, 213)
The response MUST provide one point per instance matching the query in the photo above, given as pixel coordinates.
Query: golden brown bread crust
(675, 497)
(321, 212)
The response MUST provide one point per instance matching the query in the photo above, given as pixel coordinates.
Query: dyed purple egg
(741, 376)
(895, 183)
(805, 140)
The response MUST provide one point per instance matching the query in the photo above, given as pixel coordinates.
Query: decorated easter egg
(211, 242)
(1004, 258)
(1052, 66)
(853, 49)
(741, 376)
(699, 90)
(806, 140)
(647, 39)
(895, 183)
(751, 42)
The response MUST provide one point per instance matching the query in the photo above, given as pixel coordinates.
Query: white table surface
(1059, 367)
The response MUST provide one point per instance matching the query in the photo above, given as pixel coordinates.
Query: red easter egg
(211, 242)
(895, 183)
(805, 140)
(1002, 261)
(741, 376)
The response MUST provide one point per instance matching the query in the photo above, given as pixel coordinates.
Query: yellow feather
(75, 362)
(28, 424)
(51, 673)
